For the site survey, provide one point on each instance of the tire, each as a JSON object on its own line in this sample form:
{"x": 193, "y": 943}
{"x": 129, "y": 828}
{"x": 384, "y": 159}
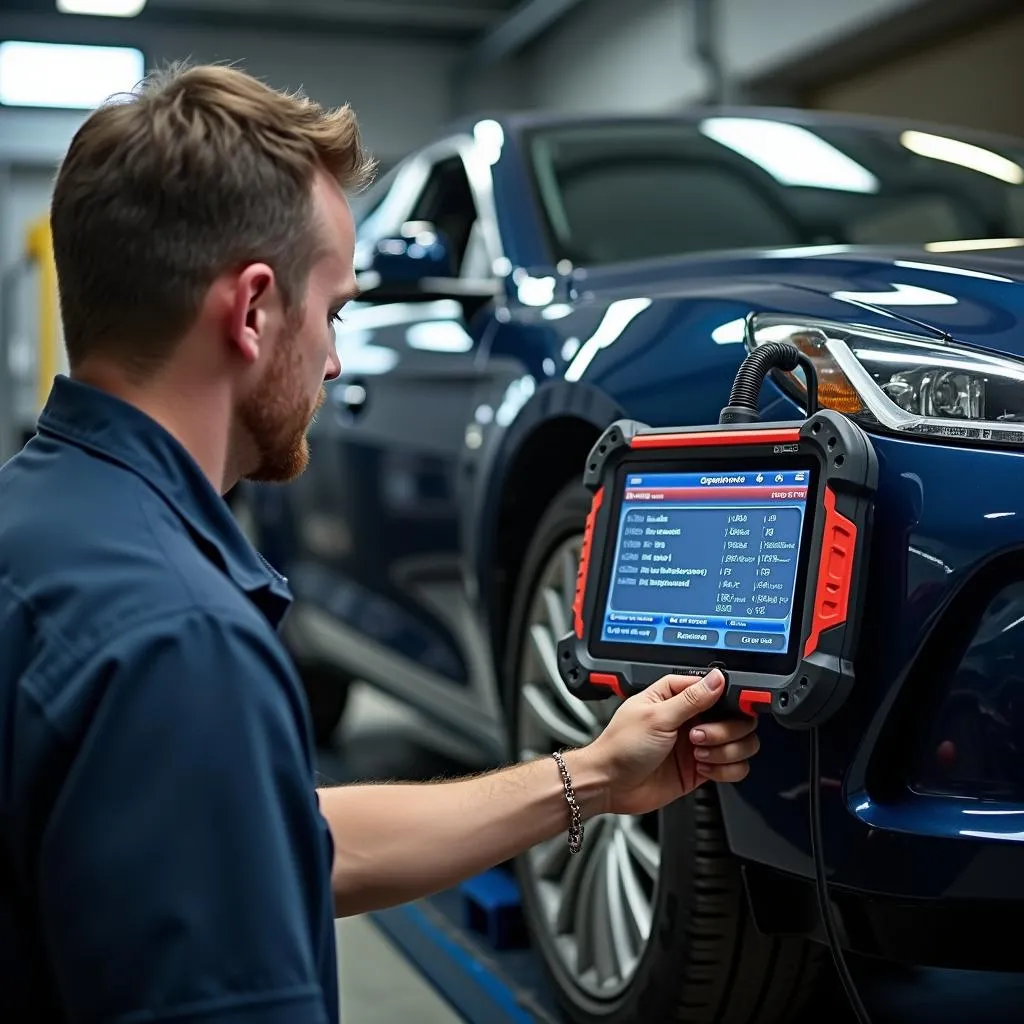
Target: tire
{"x": 702, "y": 960}
{"x": 327, "y": 693}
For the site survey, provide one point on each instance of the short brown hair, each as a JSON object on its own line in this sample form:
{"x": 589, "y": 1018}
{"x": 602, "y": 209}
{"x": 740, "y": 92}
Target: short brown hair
{"x": 201, "y": 169}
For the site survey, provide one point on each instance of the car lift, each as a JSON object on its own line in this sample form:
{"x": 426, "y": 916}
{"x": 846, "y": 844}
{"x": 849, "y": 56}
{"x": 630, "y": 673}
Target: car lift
{"x": 470, "y": 943}
{"x": 31, "y": 354}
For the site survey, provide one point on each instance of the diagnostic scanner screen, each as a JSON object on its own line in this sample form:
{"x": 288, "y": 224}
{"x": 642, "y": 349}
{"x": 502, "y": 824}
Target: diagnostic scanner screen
{"x": 707, "y": 560}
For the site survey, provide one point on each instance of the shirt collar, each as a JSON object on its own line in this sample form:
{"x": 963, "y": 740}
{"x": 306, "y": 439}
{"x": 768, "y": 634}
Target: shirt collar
{"x": 106, "y": 426}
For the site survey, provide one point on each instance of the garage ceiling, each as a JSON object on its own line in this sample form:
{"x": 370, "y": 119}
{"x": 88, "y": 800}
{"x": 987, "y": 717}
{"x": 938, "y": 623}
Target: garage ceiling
{"x": 459, "y": 17}
{"x": 461, "y": 21}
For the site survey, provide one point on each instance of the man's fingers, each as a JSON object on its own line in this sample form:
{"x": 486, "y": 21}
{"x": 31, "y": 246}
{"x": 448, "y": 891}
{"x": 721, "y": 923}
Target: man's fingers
{"x": 724, "y": 772}
{"x": 728, "y": 753}
{"x": 691, "y": 696}
{"x": 715, "y": 734}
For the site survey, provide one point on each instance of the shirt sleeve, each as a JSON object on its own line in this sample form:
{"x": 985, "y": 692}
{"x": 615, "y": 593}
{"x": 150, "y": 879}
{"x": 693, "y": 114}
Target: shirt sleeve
{"x": 183, "y": 869}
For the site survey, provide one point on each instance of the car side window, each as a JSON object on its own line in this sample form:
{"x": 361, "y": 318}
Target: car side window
{"x": 447, "y": 202}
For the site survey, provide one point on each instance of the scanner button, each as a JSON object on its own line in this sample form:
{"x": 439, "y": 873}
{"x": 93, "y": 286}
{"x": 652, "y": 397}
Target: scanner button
{"x": 607, "y": 681}
{"x": 743, "y": 641}
{"x": 675, "y": 635}
{"x": 749, "y": 699}
{"x": 624, "y": 632}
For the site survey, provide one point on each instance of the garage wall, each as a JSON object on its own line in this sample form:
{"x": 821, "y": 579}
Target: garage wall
{"x": 758, "y": 36}
{"x": 611, "y": 55}
{"x": 400, "y": 89}
{"x": 975, "y": 79}
{"x": 640, "y": 55}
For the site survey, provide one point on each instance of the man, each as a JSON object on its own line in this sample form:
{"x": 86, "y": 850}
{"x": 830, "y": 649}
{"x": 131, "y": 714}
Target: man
{"x": 166, "y": 855}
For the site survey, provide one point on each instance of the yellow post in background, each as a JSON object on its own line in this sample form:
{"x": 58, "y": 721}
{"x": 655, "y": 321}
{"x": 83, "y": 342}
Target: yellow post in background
{"x": 39, "y": 251}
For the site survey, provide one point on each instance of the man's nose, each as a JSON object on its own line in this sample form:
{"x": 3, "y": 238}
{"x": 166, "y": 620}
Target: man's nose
{"x": 333, "y": 367}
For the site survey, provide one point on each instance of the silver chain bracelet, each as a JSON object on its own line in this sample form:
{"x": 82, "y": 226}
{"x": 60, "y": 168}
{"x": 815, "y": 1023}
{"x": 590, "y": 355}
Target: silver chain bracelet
{"x": 575, "y": 814}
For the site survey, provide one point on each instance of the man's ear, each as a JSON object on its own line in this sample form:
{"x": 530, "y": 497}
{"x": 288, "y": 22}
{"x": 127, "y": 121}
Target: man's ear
{"x": 254, "y": 295}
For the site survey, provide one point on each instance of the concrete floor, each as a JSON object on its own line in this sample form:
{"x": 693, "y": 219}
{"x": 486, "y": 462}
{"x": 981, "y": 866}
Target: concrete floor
{"x": 377, "y": 985}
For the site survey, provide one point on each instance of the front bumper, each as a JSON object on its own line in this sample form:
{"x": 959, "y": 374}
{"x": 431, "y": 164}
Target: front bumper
{"x": 923, "y": 769}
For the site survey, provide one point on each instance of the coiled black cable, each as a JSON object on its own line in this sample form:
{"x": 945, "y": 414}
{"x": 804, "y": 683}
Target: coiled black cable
{"x": 746, "y": 387}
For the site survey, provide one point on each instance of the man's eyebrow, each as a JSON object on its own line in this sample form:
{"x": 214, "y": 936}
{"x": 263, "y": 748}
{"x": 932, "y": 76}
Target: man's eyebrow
{"x": 348, "y": 295}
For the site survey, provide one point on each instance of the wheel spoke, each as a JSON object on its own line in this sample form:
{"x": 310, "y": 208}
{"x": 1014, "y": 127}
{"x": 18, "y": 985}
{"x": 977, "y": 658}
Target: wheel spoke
{"x": 543, "y": 644}
{"x": 639, "y": 907}
{"x": 594, "y": 915}
{"x": 621, "y": 926}
{"x": 642, "y": 847}
{"x": 557, "y": 726}
{"x": 558, "y": 613}
{"x": 585, "y": 924}
{"x": 573, "y": 887}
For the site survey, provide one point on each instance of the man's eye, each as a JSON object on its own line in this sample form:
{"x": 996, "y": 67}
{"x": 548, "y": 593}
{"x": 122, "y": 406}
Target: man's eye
{"x": 335, "y": 318}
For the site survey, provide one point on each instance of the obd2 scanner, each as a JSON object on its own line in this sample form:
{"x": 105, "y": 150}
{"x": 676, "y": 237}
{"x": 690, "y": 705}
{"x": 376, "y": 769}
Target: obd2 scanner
{"x": 739, "y": 546}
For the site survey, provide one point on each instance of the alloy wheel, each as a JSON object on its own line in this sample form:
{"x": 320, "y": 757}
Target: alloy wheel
{"x": 596, "y": 907}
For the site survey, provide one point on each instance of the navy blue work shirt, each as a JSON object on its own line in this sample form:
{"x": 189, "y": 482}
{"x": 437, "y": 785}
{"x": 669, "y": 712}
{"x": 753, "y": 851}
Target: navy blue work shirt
{"x": 163, "y": 853}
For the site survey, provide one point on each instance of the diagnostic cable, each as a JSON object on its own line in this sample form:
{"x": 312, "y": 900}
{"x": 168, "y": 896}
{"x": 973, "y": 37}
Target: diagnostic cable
{"x": 740, "y": 546}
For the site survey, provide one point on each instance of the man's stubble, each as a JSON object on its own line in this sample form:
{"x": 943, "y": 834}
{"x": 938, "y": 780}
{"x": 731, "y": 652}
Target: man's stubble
{"x": 276, "y": 416}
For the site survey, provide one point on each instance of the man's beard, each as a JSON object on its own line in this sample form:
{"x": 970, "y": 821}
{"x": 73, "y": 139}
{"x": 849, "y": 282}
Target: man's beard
{"x": 277, "y": 422}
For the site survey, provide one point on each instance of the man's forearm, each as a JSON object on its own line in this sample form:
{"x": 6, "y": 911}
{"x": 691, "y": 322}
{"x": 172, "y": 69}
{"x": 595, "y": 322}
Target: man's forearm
{"x": 395, "y": 843}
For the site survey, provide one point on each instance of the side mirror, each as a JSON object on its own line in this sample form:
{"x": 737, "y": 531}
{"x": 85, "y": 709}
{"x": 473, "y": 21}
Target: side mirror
{"x": 419, "y": 253}
{"x": 416, "y": 265}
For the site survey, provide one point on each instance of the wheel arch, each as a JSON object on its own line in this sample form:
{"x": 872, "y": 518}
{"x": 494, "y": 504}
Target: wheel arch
{"x": 546, "y": 446}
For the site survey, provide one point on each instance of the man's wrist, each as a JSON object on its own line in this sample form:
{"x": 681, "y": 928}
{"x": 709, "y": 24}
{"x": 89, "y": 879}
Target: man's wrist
{"x": 591, "y": 780}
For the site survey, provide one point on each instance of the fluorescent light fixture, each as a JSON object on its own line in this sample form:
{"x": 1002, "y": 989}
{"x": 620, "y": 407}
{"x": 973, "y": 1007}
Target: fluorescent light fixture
{"x": 65, "y": 76}
{"x": 102, "y": 8}
{"x": 792, "y": 155}
{"x": 974, "y": 158}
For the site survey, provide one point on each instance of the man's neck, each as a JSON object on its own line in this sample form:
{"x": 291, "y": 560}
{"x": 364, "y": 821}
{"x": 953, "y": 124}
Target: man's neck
{"x": 197, "y": 416}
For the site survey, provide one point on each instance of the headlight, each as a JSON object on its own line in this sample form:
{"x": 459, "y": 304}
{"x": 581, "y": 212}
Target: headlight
{"x": 901, "y": 382}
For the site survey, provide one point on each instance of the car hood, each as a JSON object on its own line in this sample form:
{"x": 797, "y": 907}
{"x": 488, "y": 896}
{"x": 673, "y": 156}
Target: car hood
{"x": 976, "y": 297}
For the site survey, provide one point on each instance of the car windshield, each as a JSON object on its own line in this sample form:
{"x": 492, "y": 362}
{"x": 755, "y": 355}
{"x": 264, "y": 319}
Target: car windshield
{"x": 636, "y": 190}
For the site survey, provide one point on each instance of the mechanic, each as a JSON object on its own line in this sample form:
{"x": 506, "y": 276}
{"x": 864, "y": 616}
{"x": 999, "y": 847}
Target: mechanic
{"x": 166, "y": 853}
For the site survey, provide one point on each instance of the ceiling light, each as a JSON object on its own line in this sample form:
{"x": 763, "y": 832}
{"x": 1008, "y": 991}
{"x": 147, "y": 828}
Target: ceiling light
{"x": 66, "y": 76}
{"x": 102, "y": 8}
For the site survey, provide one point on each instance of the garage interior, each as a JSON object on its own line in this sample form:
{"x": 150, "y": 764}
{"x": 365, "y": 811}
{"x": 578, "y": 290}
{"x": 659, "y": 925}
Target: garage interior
{"x": 411, "y": 68}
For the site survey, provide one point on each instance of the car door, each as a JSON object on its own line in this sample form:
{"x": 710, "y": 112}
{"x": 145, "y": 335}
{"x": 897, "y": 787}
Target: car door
{"x": 380, "y": 506}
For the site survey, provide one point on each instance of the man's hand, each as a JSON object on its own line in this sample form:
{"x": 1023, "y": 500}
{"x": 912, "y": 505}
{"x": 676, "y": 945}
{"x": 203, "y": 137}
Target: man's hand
{"x": 656, "y": 750}
{"x": 396, "y": 843}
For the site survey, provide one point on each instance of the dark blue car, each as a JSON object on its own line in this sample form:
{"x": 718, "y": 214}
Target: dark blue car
{"x": 529, "y": 280}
